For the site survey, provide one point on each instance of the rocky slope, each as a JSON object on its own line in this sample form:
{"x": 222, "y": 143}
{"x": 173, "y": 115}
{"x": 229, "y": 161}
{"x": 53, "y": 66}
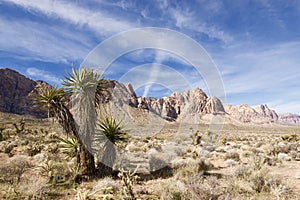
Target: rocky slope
{"x": 172, "y": 108}
{"x": 289, "y": 119}
{"x": 260, "y": 114}
{"x": 195, "y": 102}
{"x": 17, "y": 92}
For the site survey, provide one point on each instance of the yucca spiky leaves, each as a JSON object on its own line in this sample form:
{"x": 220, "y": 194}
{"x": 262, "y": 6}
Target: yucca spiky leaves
{"x": 69, "y": 147}
{"x": 51, "y": 98}
{"x": 113, "y": 130}
{"x": 81, "y": 80}
{"x": 54, "y": 100}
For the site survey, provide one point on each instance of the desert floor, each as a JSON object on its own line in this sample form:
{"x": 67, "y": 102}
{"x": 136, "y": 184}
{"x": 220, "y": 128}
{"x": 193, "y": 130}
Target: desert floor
{"x": 175, "y": 161}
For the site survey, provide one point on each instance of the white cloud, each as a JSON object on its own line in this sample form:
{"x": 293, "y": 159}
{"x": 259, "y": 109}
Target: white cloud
{"x": 29, "y": 40}
{"x": 43, "y": 75}
{"x": 274, "y": 67}
{"x": 185, "y": 19}
{"x": 282, "y": 107}
{"x": 263, "y": 74}
{"x": 99, "y": 21}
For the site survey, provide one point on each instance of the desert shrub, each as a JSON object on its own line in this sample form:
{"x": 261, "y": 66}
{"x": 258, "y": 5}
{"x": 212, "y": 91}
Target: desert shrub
{"x": 234, "y": 155}
{"x": 273, "y": 151}
{"x": 34, "y": 148}
{"x": 108, "y": 185}
{"x": 58, "y": 174}
{"x": 258, "y": 180}
{"x": 204, "y": 188}
{"x": 210, "y": 137}
{"x": 200, "y": 188}
{"x": 2, "y": 128}
{"x": 241, "y": 171}
{"x": 257, "y": 162}
{"x": 21, "y": 127}
{"x": 6, "y": 147}
{"x": 33, "y": 186}
{"x": 12, "y": 171}
{"x": 4, "y": 135}
{"x": 192, "y": 169}
{"x": 196, "y": 137}
{"x": 129, "y": 179}
{"x": 290, "y": 138}
{"x": 87, "y": 194}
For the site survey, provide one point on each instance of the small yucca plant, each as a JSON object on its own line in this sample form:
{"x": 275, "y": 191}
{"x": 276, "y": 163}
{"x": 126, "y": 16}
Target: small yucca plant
{"x": 69, "y": 147}
{"x": 52, "y": 99}
{"x": 113, "y": 130}
{"x": 111, "y": 133}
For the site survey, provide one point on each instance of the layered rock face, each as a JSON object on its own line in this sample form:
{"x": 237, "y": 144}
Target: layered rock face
{"x": 260, "y": 114}
{"x": 17, "y": 92}
{"x": 180, "y": 104}
{"x": 169, "y": 108}
{"x": 290, "y": 119}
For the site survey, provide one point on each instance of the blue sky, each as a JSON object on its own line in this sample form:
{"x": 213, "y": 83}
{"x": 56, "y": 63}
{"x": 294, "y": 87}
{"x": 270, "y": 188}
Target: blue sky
{"x": 254, "y": 44}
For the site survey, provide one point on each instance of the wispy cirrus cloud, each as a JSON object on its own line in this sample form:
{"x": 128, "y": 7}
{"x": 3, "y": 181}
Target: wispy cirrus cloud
{"x": 185, "y": 19}
{"x": 98, "y": 20}
{"x": 263, "y": 74}
{"x": 40, "y": 42}
{"x": 44, "y": 75}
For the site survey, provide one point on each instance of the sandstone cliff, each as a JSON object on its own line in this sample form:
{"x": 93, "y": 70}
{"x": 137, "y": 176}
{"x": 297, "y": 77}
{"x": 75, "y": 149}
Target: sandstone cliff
{"x": 17, "y": 92}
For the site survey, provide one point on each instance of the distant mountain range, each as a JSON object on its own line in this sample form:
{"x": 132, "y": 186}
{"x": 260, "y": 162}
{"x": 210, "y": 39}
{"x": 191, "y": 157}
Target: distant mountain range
{"x": 17, "y": 91}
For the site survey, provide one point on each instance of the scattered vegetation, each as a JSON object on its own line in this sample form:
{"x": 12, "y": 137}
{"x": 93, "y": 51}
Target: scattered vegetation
{"x": 129, "y": 179}
{"x": 38, "y": 161}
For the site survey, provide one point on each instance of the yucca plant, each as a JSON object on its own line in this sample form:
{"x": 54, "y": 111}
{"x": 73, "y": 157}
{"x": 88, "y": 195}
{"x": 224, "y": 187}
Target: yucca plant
{"x": 112, "y": 134}
{"x": 81, "y": 87}
{"x": 69, "y": 147}
{"x": 52, "y": 99}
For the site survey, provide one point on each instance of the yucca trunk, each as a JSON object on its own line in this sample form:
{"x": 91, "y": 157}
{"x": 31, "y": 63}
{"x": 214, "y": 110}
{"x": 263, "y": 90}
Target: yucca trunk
{"x": 86, "y": 161}
{"x": 108, "y": 159}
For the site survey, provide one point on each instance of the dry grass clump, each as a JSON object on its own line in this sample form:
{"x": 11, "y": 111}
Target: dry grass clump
{"x": 234, "y": 155}
{"x": 259, "y": 182}
{"x": 203, "y": 187}
{"x": 12, "y": 170}
{"x": 194, "y": 168}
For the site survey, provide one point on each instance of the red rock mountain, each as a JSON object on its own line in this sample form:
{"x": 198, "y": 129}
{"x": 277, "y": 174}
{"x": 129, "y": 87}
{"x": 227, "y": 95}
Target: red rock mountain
{"x": 16, "y": 93}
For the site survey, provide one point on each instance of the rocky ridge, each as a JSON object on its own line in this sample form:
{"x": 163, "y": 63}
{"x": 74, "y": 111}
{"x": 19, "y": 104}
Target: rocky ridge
{"x": 194, "y": 102}
{"x": 170, "y": 108}
{"x": 17, "y": 93}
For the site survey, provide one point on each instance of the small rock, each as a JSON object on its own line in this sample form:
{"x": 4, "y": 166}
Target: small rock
{"x": 230, "y": 162}
{"x": 284, "y": 156}
{"x": 209, "y": 148}
{"x": 39, "y": 158}
{"x": 220, "y": 149}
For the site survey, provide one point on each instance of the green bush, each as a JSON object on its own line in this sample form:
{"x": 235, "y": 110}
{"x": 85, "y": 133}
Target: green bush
{"x": 291, "y": 138}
